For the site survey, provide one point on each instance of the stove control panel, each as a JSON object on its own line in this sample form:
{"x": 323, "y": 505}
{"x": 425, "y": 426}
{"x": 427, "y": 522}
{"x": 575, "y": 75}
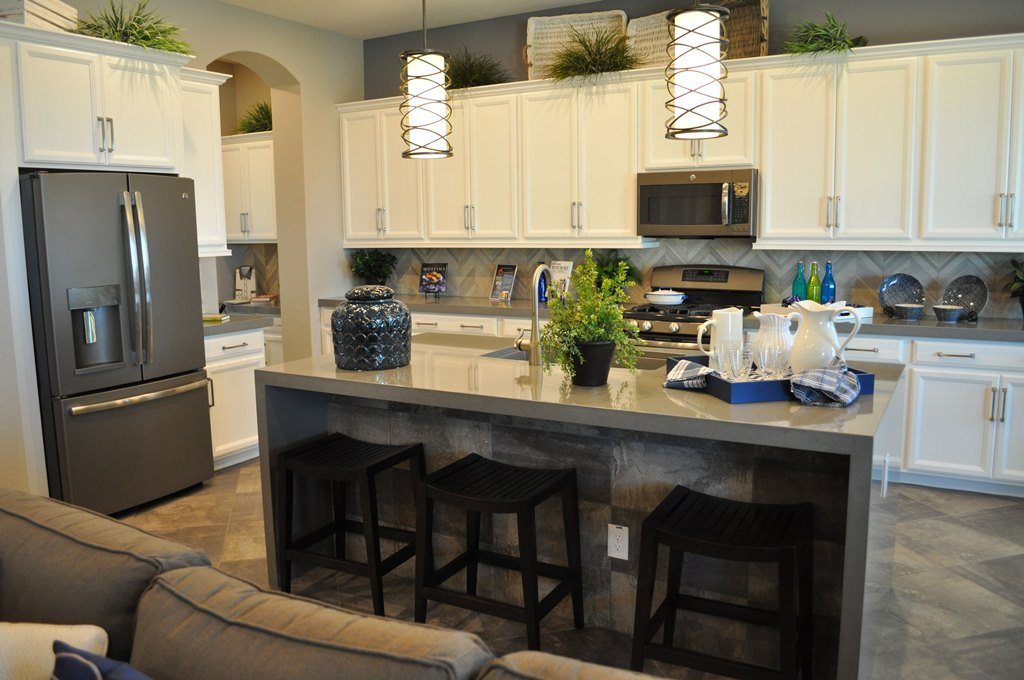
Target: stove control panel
{"x": 706, "y": 275}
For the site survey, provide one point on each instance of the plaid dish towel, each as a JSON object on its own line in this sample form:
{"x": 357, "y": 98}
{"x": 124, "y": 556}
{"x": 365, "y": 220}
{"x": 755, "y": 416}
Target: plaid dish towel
{"x": 835, "y": 386}
{"x": 688, "y": 375}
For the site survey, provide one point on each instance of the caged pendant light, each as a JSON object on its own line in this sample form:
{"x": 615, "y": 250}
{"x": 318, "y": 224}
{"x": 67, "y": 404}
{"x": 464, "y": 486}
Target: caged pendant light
{"x": 426, "y": 113}
{"x": 695, "y": 73}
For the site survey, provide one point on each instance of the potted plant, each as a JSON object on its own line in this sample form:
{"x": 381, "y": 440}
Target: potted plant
{"x": 608, "y": 264}
{"x": 373, "y": 266}
{"x": 1016, "y": 285}
{"x": 135, "y": 25}
{"x": 587, "y": 55}
{"x": 586, "y": 330}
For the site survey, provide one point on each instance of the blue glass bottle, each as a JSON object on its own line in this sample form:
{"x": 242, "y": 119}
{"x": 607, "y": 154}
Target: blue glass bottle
{"x": 542, "y": 289}
{"x": 828, "y": 285}
{"x": 799, "y": 282}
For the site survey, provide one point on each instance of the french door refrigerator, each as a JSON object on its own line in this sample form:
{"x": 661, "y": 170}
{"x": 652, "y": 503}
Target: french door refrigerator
{"x": 116, "y": 318}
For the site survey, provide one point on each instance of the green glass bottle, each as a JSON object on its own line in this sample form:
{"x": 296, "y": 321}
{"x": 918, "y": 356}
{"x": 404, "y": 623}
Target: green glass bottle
{"x": 814, "y": 284}
{"x": 799, "y": 282}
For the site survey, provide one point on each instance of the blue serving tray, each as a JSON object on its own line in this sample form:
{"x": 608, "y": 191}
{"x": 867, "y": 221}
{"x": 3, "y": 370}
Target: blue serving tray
{"x": 761, "y": 390}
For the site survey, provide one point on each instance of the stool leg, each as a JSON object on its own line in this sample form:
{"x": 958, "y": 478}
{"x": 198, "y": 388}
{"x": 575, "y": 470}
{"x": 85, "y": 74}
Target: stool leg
{"x": 787, "y": 614}
{"x": 472, "y": 549}
{"x": 338, "y": 493}
{"x": 527, "y": 526}
{"x": 806, "y": 576}
{"x": 675, "y": 574}
{"x": 368, "y": 499}
{"x": 424, "y": 549}
{"x": 571, "y": 520}
{"x": 644, "y": 596}
{"x": 284, "y": 528}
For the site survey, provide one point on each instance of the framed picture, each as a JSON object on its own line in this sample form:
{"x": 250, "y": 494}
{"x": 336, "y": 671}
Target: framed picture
{"x": 504, "y": 282}
{"x": 434, "y": 277}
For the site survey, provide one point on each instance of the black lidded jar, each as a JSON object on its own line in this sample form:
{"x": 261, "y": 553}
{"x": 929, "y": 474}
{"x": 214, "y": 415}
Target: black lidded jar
{"x": 372, "y": 331}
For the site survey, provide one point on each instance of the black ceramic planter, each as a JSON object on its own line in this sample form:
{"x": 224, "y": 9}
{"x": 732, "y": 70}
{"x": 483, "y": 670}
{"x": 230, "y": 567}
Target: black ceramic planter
{"x": 593, "y": 370}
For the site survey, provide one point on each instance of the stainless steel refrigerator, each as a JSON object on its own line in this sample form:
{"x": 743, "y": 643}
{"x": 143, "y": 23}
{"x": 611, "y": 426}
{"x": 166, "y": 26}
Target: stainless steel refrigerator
{"x": 116, "y": 317}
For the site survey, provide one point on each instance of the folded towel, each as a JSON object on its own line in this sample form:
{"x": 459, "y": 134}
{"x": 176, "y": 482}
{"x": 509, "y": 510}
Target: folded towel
{"x": 835, "y": 386}
{"x": 688, "y": 375}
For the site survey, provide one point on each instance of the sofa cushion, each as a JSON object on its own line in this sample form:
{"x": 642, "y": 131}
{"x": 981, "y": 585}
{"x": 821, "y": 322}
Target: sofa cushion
{"x": 62, "y": 564}
{"x": 202, "y": 623}
{"x": 26, "y": 649}
{"x": 541, "y": 666}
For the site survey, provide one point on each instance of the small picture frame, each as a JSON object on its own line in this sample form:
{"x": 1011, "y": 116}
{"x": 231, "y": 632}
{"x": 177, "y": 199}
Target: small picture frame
{"x": 433, "y": 278}
{"x": 504, "y": 281}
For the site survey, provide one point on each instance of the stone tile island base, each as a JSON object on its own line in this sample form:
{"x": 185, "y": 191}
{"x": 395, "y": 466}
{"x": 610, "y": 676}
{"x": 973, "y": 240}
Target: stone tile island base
{"x": 623, "y": 475}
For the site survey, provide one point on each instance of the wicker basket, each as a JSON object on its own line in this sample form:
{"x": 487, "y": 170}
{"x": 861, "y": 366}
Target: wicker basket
{"x": 649, "y": 37}
{"x": 545, "y": 36}
{"x": 746, "y": 27}
{"x": 50, "y": 14}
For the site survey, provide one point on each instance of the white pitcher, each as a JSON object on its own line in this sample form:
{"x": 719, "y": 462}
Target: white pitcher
{"x": 728, "y": 325}
{"x": 774, "y": 331}
{"x": 816, "y": 344}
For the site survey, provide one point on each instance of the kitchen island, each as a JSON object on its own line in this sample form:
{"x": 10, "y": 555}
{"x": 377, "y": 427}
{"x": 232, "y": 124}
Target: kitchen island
{"x": 631, "y": 442}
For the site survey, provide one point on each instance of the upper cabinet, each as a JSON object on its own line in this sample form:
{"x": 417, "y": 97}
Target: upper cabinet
{"x": 548, "y": 163}
{"x": 201, "y": 156}
{"x": 250, "y": 208}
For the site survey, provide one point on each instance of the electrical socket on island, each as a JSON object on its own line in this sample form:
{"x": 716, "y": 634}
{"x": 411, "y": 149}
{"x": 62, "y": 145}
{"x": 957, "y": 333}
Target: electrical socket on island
{"x": 618, "y": 541}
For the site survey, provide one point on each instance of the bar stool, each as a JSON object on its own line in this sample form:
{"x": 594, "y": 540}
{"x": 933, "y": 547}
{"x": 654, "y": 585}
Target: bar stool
{"x": 339, "y": 459}
{"x": 478, "y": 485}
{"x": 689, "y": 521}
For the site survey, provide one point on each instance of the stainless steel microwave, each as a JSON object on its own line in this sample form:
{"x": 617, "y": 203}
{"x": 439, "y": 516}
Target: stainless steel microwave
{"x": 697, "y": 203}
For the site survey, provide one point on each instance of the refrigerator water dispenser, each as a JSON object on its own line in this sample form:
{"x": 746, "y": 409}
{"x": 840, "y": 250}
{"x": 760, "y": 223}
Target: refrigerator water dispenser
{"x": 96, "y": 326}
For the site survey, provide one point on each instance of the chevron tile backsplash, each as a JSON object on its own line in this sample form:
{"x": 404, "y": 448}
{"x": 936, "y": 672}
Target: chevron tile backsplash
{"x": 857, "y": 273}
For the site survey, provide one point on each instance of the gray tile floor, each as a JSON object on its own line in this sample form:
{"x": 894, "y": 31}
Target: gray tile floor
{"x": 945, "y": 591}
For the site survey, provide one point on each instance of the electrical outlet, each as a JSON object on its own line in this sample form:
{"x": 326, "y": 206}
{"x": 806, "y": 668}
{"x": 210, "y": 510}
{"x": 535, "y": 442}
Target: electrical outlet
{"x": 618, "y": 541}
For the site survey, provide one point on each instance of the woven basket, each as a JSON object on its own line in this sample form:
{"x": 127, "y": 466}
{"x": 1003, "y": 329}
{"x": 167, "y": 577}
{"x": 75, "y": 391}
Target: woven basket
{"x": 649, "y": 37}
{"x": 746, "y": 27}
{"x": 545, "y": 36}
{"x": 53, "y": 15}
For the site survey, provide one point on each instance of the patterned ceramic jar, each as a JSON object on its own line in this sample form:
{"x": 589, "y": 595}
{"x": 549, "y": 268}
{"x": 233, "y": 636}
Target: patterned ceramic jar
{"x": 372, "y": 331}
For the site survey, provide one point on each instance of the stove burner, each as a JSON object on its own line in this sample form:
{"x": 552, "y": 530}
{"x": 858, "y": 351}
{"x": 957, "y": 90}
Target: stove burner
{"x": 675, "y": 311}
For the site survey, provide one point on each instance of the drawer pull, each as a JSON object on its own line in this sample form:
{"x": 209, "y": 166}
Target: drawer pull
{"x": 478, "y": 325}
{"x": 426, "y": 323}
{"x": 944, "y": 355}
{"x": 225, "y": 348}
{"x": 865, "y": 349}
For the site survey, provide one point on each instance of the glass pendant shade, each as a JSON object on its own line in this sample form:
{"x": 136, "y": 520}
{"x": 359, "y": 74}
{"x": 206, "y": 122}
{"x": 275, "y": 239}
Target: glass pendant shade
{"x": 426, "y": 113}
{"x": 695, "y": 73}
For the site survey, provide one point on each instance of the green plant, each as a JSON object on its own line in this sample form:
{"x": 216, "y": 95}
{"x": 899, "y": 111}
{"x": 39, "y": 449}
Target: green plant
{"x": 592, "y": 313}
{"x": 587, "y": 55}
{"x": 469, "y": 69}
{"x": 608, "y": 264}
{"x": 259, "y": 118}
{"x": 830, "y": 36}
{"x": 1016, "y": 285}
{"x": 137, "y": 25}
{"x": 373, "y": 266}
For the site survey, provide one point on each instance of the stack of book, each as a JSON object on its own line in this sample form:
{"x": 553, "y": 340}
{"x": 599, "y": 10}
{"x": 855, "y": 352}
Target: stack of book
{"x": 216, "y": 318}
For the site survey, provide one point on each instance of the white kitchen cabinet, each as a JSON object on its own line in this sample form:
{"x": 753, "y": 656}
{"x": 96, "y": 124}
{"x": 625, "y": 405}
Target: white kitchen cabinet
{"x": 467, "y": 324}
{"x": 448, "y": 184}
{"x": 326, "y": 334}
{"x": 201, "y": 157}
{"x": 360, "y": 187}
{"x": 273, "y": 344}
{"x": 548, "y": 163}
{"x": 231, "y": 362}
{"x": 142, "y": 101}
{"x": 1015, "y": 194}
{"x": 401, "y": 183}
{"x": 1010, "y": 438}
{"x": 250, "y": 206}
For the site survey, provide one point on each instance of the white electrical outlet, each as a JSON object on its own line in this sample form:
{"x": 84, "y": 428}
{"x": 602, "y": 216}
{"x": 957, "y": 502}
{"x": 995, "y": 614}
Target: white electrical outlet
{"x": 618, "y": 541}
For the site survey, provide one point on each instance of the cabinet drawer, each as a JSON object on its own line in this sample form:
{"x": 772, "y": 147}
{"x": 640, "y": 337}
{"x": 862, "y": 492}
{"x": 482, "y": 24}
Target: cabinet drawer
{"x": 508, "y": 327}
{"x": 873, "y": 348}
{"x": 455, "y": 323}
{"x": 1004, "y": 355}
{"x": 234, "y": 344}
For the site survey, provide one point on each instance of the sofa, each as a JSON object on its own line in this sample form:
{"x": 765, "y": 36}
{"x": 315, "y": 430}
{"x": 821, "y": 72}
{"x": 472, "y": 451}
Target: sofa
{"x": 173, "y": 616}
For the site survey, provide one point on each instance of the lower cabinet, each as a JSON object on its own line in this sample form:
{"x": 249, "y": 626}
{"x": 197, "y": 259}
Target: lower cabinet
{"x": 231, "y": 363}
{"x": 273, "y": 345}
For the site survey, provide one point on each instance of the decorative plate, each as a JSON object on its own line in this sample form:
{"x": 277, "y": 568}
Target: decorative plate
{"x": 899, "y": 289}
{"x": 968, "y": 292}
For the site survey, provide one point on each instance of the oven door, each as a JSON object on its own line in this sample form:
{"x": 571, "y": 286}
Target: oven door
{"x": 699, "y": 204}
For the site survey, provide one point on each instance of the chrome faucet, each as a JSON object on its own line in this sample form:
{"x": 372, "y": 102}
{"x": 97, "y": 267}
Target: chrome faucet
{"x": 532, "y": 346}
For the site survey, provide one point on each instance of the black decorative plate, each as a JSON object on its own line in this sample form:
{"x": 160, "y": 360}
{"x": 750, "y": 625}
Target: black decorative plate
{"x": 969, "y": 292}
{"x": 899, "y": 289}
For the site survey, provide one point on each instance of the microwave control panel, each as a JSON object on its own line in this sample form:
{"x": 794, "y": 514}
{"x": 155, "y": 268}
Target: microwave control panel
{"x": 741, "y": 203}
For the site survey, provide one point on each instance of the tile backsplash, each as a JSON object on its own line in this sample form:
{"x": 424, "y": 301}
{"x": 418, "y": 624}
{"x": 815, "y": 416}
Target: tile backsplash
{"x": 857, "y": 273}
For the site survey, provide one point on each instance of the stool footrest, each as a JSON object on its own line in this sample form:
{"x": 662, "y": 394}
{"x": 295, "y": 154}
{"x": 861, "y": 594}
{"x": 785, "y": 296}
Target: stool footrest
{"x": 710, "y": 664}
{"x": 327, "y": 562}
{"x": 476, "y": 603}
{"x": 703, "y": 605}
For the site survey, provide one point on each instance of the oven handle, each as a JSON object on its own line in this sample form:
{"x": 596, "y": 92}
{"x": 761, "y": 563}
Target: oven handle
{"x": 726, "y": 194}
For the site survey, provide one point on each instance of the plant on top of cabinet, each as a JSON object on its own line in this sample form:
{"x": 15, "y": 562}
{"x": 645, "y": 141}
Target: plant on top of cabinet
{"x": 136, "y": 25}
{"x": 608, "y": 264}
{"x": 586, "y": 330}
{"x": 373, "y": 266}
{"x": 471, "y": 69}
{"x": 830, "y": 36}
{"x": 588, "y": 55}
{"x": 1016, "y": 285}
{"x": 259, "y": 118}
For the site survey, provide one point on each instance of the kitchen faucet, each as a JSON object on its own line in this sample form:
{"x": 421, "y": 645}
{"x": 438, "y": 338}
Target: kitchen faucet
{"x": 532, "y": 346}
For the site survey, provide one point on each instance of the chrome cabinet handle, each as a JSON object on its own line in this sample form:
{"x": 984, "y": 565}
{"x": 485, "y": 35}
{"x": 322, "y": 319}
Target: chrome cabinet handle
{"x": 225, "y": 348}
{"x": 133, "y": 261}
{"x": 464, "y": 325}
{"x": 1009, "y": 212}
{"x": 944, "y": 355}
{"x": 992, "y": 411}
{"x": 472, "y": 217}
{"x": 146, "y": 275}
{"x": 579, "y": 216}
{"x": 384, "y": 220}
{"x": 701, "y": 148}
{"x": 572, "y": 214}
{"x": 859, "y": 349}
{"x": 465, "y": 217}
{"x": 835, "y": 213}
{"x": 376, "y": 217}
{"x": 110, "y": 122}
{"x": 693, "y": 149}
{"x": 132, "y": 401}
{"x": 426, "y": 323}
{"x": 828, "y": 212}
{"x": 1002, "y": 409}
{"x": 213, "y": 392}
{"x": 103, "y": 132}
{"x": 1002, "y": 212}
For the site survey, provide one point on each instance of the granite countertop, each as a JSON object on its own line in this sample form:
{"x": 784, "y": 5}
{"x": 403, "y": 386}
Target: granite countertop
{"x": 455, "y": 305}
{"x": 237, "y": 323}
{"x": 450, "y": 370}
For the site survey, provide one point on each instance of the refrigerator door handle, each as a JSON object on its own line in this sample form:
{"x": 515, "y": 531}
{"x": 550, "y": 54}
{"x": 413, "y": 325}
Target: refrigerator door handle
{"x": 133, "y": 260}
{"x": 144, "y": 251}
{"x": 139, "y": 399}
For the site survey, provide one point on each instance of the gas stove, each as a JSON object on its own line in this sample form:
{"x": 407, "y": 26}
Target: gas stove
{"x": 707, "y": 288}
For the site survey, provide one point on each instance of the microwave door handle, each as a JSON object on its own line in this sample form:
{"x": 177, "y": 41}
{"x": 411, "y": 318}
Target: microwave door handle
{"x": 726, "y": 193}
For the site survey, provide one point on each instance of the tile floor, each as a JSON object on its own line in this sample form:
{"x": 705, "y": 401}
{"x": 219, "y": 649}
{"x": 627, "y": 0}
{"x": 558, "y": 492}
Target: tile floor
{"x": 945, "y": 592}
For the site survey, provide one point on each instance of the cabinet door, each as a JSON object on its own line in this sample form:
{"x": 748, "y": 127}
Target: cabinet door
{"x": 401, "y": 183}
{"x": 143, "y": 101}
{"x": 966, "y": 145}
{"x": 1015, "y": 199}
{"x": 262, "y": 206}
{"x": 952, "y": 422}
{"x": 876, "y": 148}
{"x": 797, "y": 151}
{"x": 1010, "y": 442}
{"x": 233, "y": 415}
{"x": 62, "y": 104}
{"x": 360, "y": 175}
{"x": 737, "y": 147}
{"x": 447, "y": 184}
{"x": 548, "y": 162}
{"x": 201, "y": 160}
{"x": 607, "y": 161}
{"x": 234, "y": 190}
{"x": 658, "y": 152}
{"x": 494, "y": 159}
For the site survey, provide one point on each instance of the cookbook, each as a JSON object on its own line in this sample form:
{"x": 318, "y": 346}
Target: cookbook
{"x": 504, "y": 282}
{"x": 434, "y": 277}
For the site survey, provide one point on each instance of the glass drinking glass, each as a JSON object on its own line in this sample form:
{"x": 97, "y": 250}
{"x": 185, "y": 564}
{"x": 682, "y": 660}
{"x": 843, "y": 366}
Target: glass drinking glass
{"x": 736, "y": 361}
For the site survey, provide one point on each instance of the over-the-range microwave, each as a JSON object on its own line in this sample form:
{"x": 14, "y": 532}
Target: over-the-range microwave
{"x": 697, "y": 203}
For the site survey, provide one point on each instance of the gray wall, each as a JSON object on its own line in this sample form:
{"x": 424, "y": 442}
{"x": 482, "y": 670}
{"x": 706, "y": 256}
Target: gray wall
{"x": 882, "y": 21}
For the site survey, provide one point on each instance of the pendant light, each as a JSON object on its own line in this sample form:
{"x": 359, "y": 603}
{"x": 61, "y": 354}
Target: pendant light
{"x": 695, "y": 72}
{"x": 426, "y": 113}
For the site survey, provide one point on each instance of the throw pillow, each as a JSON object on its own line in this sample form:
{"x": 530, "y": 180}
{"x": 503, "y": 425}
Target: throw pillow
{"x": 78, "y": 664}
{"x": 26, "y": 649}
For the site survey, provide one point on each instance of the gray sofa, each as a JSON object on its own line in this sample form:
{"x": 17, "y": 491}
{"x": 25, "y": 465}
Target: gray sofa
{"x": 174, "y": 616}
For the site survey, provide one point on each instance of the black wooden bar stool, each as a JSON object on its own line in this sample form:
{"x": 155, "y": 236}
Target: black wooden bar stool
{"x": 688, "y": 521}
{"x": 339, "y": 459}
{"x": 477, "y": 485}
